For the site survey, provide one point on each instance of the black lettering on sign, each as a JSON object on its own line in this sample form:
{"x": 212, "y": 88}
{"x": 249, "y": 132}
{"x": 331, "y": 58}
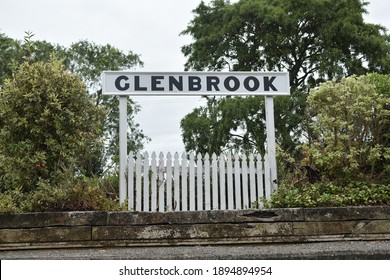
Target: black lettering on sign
{"x": 137, "y": 86}
{"x": 156, "y": 80}
{"x": 268, "y": 83}
{"x": 177, "y": 83}
{"x": 236, "y": 83}
{"x": 247, "y": 83}
{"x": 212, "y": 82}
{"x": 118, "y": 83}
{"x": 194, "y": 83}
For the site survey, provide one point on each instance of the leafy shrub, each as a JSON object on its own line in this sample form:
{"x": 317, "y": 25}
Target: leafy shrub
{"x": 330, "y": 195}
{"x": 80, "y": 194}
{"x": 352, "y": 121}
{"x": 48, "y": 124}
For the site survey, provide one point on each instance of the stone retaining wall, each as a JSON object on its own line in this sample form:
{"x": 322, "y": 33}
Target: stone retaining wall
{"x": 103, "y": 229}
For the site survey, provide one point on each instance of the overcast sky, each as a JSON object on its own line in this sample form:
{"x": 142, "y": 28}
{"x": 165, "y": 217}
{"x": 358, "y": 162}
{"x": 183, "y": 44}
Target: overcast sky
{"x": 149, "y": 28}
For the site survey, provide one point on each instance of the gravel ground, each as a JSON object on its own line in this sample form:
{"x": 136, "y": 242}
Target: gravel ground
{"x": 323, "y": 250}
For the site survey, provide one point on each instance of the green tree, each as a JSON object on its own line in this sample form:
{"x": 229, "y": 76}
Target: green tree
{"x": 9, "y": 50}
{"x": 351, "y": 119}
{"x": 49, "y": 125}
{"x": 88, "y": 60}
{"x": 14, "y": 52}
{"x": 313, "y": 40}
{"x": 231, "y": 124}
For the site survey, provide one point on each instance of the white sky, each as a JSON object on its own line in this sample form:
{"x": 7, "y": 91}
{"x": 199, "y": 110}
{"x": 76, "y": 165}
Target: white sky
{"x": 149, "y": 28}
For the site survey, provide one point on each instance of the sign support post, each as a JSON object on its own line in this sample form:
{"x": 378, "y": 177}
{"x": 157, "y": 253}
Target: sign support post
{"x": 271, "y": 146}
{"x": 122, "y": 147}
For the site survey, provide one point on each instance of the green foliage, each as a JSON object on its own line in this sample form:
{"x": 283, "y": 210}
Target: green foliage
{"x": 330, "y": 195}
{"x": 323, "y": 38}
{"x": 313, "y": 40}
{"x": 238, "y": 123}
{"x": 48, "y": 123}
{"x": 55, "y": 129}
{"x": 87, "y": 60}
{"x": 224, "y": 120}
{"x": 9, "y": 49}
{"x": 351, "y": 119}
{"x": 79, "y": 194}
{"x": 350, "y": 158}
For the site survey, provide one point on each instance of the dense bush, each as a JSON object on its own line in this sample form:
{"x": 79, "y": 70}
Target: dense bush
{"x": 49, "y": 125}
{"x": 351, "y": 119}
{"x": 80, "y": 194}
{"x": 348, "y": 162}
{"x": 330, "y": 195}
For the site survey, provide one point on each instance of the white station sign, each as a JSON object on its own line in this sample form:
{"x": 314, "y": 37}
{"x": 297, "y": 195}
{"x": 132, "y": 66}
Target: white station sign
{"x": 195, "y": 83}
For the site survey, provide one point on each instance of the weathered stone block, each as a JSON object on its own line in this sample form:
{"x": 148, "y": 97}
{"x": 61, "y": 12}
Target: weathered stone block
{"x": 193, "y": 227}
{"x": 48, "y": 234}
{"x": 48, "y": 219}
{"x": 341, "y": 227}
{"x": 191, "y": 231}
{"x": 347, "y": 213}
{"x": 209, "y": 217}
{"x": 322, "y": 228}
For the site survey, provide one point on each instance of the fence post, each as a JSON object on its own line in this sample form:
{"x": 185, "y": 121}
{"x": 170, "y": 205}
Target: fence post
{"x": 270, "y": 124}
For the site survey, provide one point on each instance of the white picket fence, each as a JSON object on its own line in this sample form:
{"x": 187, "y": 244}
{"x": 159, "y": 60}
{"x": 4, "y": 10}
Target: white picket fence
{"x": 189, "y": 183}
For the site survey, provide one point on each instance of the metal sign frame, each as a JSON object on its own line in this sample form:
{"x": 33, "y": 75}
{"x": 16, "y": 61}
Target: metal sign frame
{"x": 124, "y": 84}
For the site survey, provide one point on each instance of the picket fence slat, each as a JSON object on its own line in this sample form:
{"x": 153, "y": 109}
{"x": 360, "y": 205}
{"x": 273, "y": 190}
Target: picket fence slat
{"x": 214, "y": 181}
{"x": 245, "y": 182}
{"x": 192, "y": 182}
{"x": 252, "y": 176}
{"x": 260, "y": 184}
{"x": 196, "y": 183}
{"x": 207, "y": 182}
{"x": 130, "y": 181}
{"x": 222, "y": 184}
{"x": 199, "y": 183}
{"x": 146, "y": 183}
{"x": 138, "y": 183}
{"x": 161, "y": 184}
{"x": 184, "y": 183}
{"x": 230, "y": 190}
{"x": 237, "y": 181}
{"x": 153, "y": 192}
{"x": 169, "y": 183}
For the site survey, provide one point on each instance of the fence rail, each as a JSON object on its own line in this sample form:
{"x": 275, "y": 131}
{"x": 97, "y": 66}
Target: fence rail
{"x": 196, "y": 183}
